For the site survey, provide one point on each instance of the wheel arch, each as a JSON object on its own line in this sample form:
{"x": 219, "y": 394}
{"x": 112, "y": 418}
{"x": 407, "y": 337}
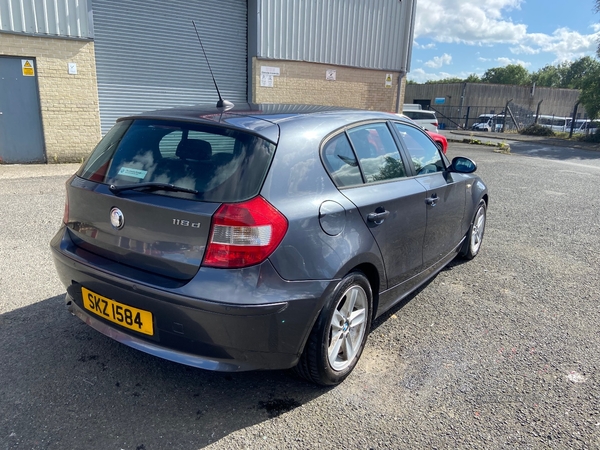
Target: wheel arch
{"x": 372, "y": 274}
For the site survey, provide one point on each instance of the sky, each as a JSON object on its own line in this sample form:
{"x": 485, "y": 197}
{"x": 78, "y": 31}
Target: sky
{"x": 456, "y": 38}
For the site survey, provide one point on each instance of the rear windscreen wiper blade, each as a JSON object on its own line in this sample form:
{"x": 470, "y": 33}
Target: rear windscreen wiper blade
{"x": 151, "y": 186}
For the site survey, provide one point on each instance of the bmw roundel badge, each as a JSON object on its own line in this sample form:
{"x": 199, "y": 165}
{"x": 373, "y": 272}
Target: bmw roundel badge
{"x": 117, "y": 219}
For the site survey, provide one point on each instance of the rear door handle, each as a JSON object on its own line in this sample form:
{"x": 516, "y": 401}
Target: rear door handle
{"x": 432, "y": 200}
{"x": 378, "y": 216}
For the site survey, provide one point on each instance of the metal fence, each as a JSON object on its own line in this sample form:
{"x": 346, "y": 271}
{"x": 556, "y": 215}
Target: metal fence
{"x": 509, "y": 117}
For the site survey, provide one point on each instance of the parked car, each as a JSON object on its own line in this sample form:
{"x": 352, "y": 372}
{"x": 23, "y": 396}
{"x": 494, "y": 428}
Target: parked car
{"x": 425, "y": 118}
{"x": 260, "y": 237}
{"x": 440, "y": 140}
{"x": 555, "y": 123}
{"x": 489, "y": 122}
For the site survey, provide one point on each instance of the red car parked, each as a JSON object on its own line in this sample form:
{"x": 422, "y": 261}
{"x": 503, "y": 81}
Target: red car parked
{"x": 439, "y": 139}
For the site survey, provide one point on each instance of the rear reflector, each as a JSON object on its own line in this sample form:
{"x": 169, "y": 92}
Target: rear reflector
{"x": 244, "y": 234}
{"x": 66, "y": 212}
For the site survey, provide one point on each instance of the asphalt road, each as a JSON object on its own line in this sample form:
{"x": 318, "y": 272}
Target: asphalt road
{"x": 498, "y": 352}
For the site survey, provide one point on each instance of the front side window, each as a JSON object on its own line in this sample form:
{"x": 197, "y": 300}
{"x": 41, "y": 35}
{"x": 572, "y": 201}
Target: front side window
{"x": 424, "y": 154}
{"x": 221, "y": 164}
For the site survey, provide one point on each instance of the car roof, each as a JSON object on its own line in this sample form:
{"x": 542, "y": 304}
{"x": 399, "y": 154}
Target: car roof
{"x": 266, "y": 119}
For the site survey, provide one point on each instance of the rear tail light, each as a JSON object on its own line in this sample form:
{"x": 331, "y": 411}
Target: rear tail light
{"x": 244, "y": 234}
{"x": 435, "y": 124}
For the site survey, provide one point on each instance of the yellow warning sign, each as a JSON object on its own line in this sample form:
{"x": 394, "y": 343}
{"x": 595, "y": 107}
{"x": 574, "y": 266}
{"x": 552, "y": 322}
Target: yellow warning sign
{"x": 388, "y": 80}
{"x": 27, "y": 66}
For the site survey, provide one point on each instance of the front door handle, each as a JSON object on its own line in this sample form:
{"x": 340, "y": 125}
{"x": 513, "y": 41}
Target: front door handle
{"x": 432, "y": 200}
{"x": 378, "y": 216}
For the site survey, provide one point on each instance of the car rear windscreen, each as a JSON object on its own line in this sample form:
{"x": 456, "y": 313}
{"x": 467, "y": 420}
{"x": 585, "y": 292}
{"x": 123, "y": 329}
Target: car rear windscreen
{"x": 221, "y": 164}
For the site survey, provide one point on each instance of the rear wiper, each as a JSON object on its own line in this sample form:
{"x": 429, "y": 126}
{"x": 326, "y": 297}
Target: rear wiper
{"x": 151, "y": 187}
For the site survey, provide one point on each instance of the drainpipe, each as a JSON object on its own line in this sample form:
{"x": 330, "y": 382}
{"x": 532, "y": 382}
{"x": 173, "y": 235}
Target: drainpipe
{"x": 401, "y": 75}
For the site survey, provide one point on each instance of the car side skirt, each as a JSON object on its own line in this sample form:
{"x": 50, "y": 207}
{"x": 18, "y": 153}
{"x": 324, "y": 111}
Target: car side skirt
{"x": 393, "y": 296}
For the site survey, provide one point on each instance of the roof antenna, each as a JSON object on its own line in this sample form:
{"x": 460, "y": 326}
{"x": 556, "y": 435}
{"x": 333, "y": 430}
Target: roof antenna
{"x": 221, "y": 103}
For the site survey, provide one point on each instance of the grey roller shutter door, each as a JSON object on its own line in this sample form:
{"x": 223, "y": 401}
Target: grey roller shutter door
{"x": 148, "y": 56}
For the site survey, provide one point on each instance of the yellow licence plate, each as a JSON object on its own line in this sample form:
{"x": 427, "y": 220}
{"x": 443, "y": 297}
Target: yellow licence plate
{"x": 126, "y": 316}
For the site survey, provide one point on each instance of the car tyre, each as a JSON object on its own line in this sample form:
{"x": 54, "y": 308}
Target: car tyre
{"x": 474, "y": 237}
{"x": 339, "y": 334}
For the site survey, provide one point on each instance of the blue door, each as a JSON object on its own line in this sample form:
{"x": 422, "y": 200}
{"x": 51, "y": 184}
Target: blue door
{"x": 21, "y": 137}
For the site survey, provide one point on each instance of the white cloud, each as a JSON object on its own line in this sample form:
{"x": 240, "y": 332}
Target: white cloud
{"x": 438, "y": 61}
{"x": 506, "y": 61}
{"x": 566, "y": 44}
{"x": 485, "y": 23}
{"x": 421, "y": 76}
{"x": 424, "y": 47}
{"x": 465, "y": 21}
{"x": 524, "y": 50}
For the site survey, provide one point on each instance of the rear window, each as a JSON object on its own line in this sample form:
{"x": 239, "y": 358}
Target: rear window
{"x": 223, "y": 165}
{"x": 420, "y": 115}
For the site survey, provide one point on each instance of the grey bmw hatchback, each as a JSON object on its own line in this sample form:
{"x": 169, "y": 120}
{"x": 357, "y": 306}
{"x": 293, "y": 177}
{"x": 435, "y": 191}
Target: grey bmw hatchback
{"x": 263, "y": 236}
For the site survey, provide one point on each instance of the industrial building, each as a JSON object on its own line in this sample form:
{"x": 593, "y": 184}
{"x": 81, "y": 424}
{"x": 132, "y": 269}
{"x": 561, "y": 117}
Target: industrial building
{"x": 69, "y": 68}
{"x": 460, "y": 104}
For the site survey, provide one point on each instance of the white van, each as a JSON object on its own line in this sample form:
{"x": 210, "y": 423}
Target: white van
{"x": 555, "y": 123}
{"x": 489, "y": 122}
{"x": 424, "y": 118}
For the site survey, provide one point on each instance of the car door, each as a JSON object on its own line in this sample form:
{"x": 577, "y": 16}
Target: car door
{"x": 446, "y": 193}
{"x": 367, "y": 166}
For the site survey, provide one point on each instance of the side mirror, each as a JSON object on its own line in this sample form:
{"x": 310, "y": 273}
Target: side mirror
{"x": 460, "y": 164}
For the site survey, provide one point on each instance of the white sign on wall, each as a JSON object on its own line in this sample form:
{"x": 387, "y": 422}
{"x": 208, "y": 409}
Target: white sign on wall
{"x": 266, "y": 75}
{"x": 266, "y": 80}
{"x": 331, "y": 75}
{"x": 388, "y": 80}
{"x": 267, "y": 70}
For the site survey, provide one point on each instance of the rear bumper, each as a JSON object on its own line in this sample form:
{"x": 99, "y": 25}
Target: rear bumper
{"x": 262, "y": 323}
{"x": 153, "y": 349}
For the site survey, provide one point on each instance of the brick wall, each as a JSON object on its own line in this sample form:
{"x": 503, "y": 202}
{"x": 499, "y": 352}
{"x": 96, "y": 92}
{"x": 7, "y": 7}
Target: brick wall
{"x": 69, "y": 103}
{"x": 306, "y": 83}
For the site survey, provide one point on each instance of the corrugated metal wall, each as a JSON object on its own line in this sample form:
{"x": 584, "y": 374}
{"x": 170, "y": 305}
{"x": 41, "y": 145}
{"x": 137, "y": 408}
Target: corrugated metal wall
{"x": 372, "y": 34}
{"x": 148, "y": 56}
{"x": 65, "y": 18}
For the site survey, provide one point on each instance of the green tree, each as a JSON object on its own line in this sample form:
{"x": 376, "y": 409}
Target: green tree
{"x": 445, "y": 80}
{"x": 590, "y": 92}
{"x": 590, "y": 84}
{"x": 598, "y": 10}
{"x": 511, "y": 74}
{"x": 473, "y": 78}
{"x": 579, "y": 70}
{"x": 548, "y": 76}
